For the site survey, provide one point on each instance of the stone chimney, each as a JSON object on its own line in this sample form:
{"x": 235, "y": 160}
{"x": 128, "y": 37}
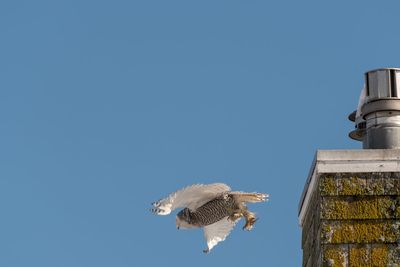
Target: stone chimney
{"x": 349, "y": 211}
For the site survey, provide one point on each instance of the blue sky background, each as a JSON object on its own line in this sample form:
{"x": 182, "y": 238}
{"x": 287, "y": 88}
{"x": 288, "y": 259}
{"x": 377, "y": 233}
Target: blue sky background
{"x": 106, "y": 106}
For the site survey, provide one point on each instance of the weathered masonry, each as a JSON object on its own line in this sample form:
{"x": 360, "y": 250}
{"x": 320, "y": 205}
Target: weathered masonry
{"x": 350, "y": 208}
{"x": 350, "y": 214}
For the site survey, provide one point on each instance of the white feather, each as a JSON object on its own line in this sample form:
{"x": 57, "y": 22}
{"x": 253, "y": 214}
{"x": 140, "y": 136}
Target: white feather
{"x": 217, "y": 232}
{"x": 191, "y": 197}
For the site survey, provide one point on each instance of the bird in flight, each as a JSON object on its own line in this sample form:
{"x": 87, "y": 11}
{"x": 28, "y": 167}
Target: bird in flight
{"x": 213, "y": 207}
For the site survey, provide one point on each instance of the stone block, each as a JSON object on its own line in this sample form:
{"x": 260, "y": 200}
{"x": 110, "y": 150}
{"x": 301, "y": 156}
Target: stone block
{"x": 361, "y": 207}
{"x": 350, "y": 232}
{"x": 397, "y": 211}
{"x": 359, "y": 256}
{"x": 375, "y": 255}
{"x": 352, "y": 186}
{"x": 359, "y": 184}
{"x": 335, "y": 256}
{"x": 383, "y": 186}
{"x": 328, "y": 186}
{"x": 379, "y": 255}
{"x": 394, "y": 255}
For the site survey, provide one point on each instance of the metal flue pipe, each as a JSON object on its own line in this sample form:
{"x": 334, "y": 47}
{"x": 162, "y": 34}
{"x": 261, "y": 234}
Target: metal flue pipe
{"x": 377, "y": 118}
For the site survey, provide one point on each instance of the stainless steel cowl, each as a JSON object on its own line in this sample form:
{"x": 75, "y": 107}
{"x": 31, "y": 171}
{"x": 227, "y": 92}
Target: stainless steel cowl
{"x": 377, "y": 118}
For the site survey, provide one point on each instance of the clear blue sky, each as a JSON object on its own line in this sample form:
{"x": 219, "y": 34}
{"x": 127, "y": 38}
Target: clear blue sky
{"x": 106, "y": 106}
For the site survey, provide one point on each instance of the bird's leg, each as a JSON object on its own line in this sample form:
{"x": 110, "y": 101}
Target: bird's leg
{"x": 206, "y": 251}
{"x": 250, "y": 220}
{"x": 235, "y": 214}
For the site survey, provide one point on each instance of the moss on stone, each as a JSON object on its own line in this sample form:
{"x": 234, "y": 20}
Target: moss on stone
{"x": 386, "y": 207}
{"x": 394, "y": 255}
{"x": 353, "y": 219}
{"x": 362, "y": 207}
{"x": 360, "y": 232}
{"x": 397, "y": 212}
{"x": 391, "y": 232}
{"x": 359, "y": 256}
{"x": 348, "y": 208}
{"x": 392, "y": 186}
{"x": 359, "y": 184}
{"x": 397, "y": 208}
{"x": 335, "y": 256}
{"x": 379, "y": 256}
{"x": 376, "y": 186}
{"x": 352, "y": 186}
{"x": 395, "y": 190}
{"x": 328, "y": 186}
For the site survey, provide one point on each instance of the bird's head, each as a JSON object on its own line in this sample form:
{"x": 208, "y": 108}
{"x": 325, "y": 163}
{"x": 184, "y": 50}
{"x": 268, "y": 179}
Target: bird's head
{"x": 183, "y": 219}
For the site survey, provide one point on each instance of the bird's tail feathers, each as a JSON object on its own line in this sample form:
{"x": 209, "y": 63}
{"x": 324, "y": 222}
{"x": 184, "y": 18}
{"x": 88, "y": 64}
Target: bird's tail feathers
{"x": 250, "y": 197}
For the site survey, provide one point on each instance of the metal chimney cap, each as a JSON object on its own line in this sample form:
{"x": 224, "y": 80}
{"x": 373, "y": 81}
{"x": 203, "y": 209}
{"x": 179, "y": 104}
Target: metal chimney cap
{"x": 382, "y": 69}
{"x": 352, "y": 116}
{"x": 383, "y": 104}
{"x": 377, "y": 118}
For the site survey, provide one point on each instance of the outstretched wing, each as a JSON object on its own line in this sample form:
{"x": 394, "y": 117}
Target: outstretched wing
{"x": 217, "y": 232}
{"x": 191, "y": 197}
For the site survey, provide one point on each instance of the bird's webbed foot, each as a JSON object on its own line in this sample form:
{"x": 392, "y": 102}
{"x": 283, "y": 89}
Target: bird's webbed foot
{"x": 206, "y": 251}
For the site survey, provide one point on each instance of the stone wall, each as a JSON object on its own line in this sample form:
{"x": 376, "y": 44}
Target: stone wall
{"x": 353, "y": 219}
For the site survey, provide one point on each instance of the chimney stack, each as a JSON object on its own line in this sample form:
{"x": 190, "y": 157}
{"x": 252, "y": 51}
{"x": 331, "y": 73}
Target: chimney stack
{"x": 349, "y": 211}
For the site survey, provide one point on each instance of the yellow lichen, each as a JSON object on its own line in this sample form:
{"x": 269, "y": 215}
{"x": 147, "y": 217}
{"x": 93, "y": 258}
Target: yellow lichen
{"x": 368, "y": 207}
{"x": 376, "y": 186}
{"x": 359, "y": 256}
{"x": 328, "y": 186}
{"x": 352, "y": 186}
{"x": 391, "y": 232}
{"x": 365, "y": 208}
{"x": 335, "y": 257}
{"x": 356, "y": 232}
{"x": 386, "y": 207}
{"x": 397, "y": 208}
{"x": 379, "y": 256}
